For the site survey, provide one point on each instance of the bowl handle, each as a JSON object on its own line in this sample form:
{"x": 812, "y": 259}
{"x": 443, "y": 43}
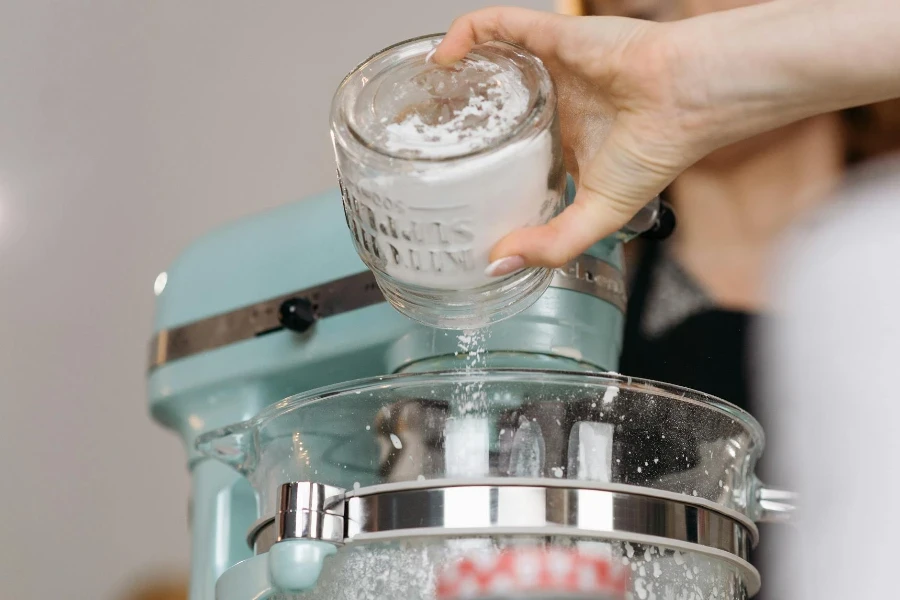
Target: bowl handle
{"x": 775, "y": 506}
{"x": 230, "y": 445}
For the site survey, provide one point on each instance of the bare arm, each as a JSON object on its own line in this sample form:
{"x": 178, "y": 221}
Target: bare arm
{"x": 640, "y": 102}
{"x": 778, "y": 62}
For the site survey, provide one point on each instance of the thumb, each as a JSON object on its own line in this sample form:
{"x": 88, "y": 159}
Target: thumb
{"x": 613, "y": 187}
{"x": 536, "y": 31}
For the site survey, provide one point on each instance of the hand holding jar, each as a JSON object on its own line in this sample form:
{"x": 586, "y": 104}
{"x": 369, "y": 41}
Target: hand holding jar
{"x": 640, "y": 102}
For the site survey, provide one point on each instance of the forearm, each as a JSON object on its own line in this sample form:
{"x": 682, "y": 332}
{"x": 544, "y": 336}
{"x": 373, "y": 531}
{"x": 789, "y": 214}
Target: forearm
{"x": 763, "y": 66}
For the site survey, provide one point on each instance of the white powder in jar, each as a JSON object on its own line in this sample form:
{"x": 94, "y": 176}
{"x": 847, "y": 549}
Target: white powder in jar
{"x": 477, "y": 104}
{"x": 437, "y": 165}
{"x": 436, "y": 227}
{"x": 432, "y": 223}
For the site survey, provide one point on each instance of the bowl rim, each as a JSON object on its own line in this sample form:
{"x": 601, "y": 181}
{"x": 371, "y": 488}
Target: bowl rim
{"x": 537, "y": 376}
{"x": 540, "y": 112}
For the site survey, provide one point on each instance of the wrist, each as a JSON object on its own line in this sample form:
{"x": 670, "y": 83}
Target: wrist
{"x": 697, "y": 90}
{"x": 749, "y": 70}
{"x": 730, "y": 81}
{"x": 707, "y": 102}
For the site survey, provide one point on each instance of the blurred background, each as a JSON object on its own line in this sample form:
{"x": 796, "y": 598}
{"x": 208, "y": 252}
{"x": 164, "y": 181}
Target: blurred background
{"x": 128, "y": 129}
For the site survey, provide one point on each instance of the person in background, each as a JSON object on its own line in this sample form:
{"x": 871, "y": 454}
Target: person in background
{"x": 693, "y": 297}
{"x": 632, "y": 99}
{"x": 831, "y": 352}
{"x": 641, "y": 102}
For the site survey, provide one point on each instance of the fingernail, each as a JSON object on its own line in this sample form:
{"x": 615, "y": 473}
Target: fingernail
{"x": 430, "y": 54}
{"x": 505, "y": 266}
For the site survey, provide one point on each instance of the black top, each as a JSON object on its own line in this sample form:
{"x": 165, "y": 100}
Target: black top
{"x": 706, "y": 351}
{"x": 699, "y": 346}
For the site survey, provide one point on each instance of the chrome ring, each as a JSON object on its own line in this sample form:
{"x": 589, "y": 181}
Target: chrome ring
{"x": 623, "y": 488}
{"x": 531, "y": 510}
{"x": 528, "y": 507}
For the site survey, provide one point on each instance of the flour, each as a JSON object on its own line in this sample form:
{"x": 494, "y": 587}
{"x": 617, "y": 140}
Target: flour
{"x": 470, "y": 108}
{"x": 469, "y": 397}
{"x": 467, "y": 433}
{"x": 435, "y": 228}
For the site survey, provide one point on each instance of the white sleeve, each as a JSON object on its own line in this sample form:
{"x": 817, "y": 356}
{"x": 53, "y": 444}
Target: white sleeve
{"x": 832, "y": 395}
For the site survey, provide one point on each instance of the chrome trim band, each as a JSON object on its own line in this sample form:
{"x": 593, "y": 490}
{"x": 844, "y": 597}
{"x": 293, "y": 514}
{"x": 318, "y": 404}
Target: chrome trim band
{"x": 590, "y": 275}
{"x": 585, "y": 274}
{"x": 627, "y": 513}
{"x": 622, "y": 488}
{"x": 531, "y": 510}
{"x": 329, "y": 299}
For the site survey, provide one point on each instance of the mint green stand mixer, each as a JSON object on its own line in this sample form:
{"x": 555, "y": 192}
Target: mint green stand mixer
{"x": 284, "y": 489}
{"x": 276, "y": 304}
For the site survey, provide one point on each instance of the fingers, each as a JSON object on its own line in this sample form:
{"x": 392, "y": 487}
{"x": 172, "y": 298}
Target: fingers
{"x": 534, "y": 30}
{"x": 568, "y": 235}
{"x": 612, "y": 189}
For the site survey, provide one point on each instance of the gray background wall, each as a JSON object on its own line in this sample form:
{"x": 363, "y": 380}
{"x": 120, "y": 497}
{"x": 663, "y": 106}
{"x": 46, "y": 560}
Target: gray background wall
{"x": 127, "y": 129}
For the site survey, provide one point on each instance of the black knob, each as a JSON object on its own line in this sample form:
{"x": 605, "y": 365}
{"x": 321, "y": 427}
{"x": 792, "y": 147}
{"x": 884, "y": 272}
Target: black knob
{"x": 664, "y": 225}
{"x": 296, "y": 314}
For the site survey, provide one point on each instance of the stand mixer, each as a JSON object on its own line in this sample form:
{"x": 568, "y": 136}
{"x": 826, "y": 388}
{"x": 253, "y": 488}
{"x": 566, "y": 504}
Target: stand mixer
{"x": 360, "y": 489}
{"x": 243, "y": 321}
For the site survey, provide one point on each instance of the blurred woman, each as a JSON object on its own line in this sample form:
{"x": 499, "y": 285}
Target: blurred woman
{"x": 694, "y": 298}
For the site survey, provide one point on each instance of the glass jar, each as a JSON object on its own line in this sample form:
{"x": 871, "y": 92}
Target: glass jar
{"x": 437, "y": 164}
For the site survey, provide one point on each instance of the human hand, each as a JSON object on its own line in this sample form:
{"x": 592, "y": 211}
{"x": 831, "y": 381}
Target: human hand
{"x": 639, "y": 102}
{"x": 625, "y": 127}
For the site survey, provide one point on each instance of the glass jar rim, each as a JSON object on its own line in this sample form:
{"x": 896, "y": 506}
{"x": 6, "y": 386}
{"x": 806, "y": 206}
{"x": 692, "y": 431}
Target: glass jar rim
{"x": 537, "y": 118}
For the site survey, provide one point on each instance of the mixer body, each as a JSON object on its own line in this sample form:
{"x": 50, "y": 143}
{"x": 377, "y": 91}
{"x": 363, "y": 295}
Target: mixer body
{"x": 280, "y": 303}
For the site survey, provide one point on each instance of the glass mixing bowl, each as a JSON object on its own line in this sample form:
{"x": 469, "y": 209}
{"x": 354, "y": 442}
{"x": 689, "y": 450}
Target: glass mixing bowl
{"x": 408, "y": 569}
{"x": 600, "y": 429}
{"x": 661, "y": 478}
